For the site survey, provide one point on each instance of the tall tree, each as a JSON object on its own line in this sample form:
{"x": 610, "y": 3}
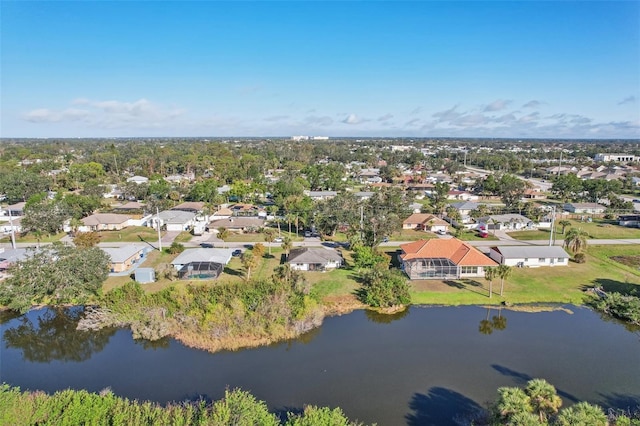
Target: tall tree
{"x": 55, "y": 274}
{"x": 564, "y": 223}
{"x": 249, "y": 262}
{"x": 287, "y": 244}
{"x": 503, "y": 272}
{"x": 489, "y": 275}
{"x": 576, "y": 240}
{"x": 543, "y": 398}
{"x": 269, "y": 236}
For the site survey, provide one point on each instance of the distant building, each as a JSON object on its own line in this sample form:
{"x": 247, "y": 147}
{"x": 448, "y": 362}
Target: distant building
{"x": 592, "y": 208}
{"x": 617, "y": 158}
{"x": 529, "y": 256}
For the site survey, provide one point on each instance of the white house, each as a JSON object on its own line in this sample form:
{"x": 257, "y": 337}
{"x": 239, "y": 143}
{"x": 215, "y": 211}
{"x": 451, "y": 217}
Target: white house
{"x": 138, "y": 179}
{"x": 174, "y": 220}
{"x": 592, "y": 208}
{"x": 529, "y": 256}
{"x": 314, "y": 259}
{"x": 509, "y": 222}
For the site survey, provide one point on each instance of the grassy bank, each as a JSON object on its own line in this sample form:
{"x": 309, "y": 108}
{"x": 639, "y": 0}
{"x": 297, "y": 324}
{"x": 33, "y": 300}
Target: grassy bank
{"x": 598, "y": 229}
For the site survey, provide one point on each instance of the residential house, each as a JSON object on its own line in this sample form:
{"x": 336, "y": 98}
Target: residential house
{"x": 425, "y": 222}
{"x": 314, "y": 259}
{"x": 629, "y": 220}
{"x": 126, "y": 257}
{"x": 439, "y": 259}
{"x": 173, "y": 220}
{"x": 10, "y": 256}
{"x": 619, "y": 158}
{"x": 238, "y": 223}
{"x": 363, "y": 195}
{"x": 190, "y": 206}
{"x": 508, "y": 222}
{"x": 529, "y": 256}
{"x": 104, "y": 222}
{"x": 534, "y": 194}
{"x": 138, "y": 179}
{"x": 202, "y": 263}
{"x": 465, "y": 207}
{"x": 130, "y": 207}
{"x": 462, "y": 195}
{"x": 6, "y": 226}
{"x": 591, "y": 208}
{"x": 16, "y": 209}
{"x": 321, "y": 195}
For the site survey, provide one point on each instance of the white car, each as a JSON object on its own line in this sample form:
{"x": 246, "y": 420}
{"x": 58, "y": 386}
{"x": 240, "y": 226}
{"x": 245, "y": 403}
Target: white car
{"x": 278, "y": 240}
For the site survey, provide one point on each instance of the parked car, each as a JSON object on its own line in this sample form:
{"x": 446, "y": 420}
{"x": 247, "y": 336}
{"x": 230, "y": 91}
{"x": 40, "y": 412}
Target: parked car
{"x": 385, "y": 239}
{"x": 442, "y": 232}
{"x": 483, "y": 235}
{"x": 236, "y": 253}
{"x": 206, "y": 245}
{"x": 307, "y": 234}
{"x": 278, "y": 240}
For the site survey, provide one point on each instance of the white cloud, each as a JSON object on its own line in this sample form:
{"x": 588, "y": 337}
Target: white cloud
{"x": 497, "y": 105}
{"x": 314, "y": 120}
{"x": 416, "y": 111}
{"x": 447, "y": 115}
{"x": 109, "y": 114}
{"x": 385, "y": 117}
{"x": 532, "y": 104}
{"x": 276, "y": 118}
{"x": 352, "y": 119}
{"x": 628, "y": 100}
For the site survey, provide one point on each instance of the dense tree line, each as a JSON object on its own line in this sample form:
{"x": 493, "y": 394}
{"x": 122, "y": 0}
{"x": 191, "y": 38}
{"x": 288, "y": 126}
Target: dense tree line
{"x": 79, "y": 407}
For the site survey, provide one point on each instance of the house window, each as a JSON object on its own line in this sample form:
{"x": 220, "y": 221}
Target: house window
{"x": 542, "y": 259}
{"x": 526, "y": 259}
{"x": 560, "y": 260}
{"x": 469, "y": 270}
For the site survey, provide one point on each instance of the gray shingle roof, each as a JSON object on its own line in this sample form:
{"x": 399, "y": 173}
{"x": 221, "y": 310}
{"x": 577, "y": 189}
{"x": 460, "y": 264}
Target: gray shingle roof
{"x": 218, "y": 255}
{"x": 313, "y": 255}
{"x": 518, "y": 252}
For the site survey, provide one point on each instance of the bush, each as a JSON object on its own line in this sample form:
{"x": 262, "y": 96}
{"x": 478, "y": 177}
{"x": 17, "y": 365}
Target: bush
{"x": 175, "y": 248}
{"x": 580, "y": 258}
{"x": 384, "y": 288}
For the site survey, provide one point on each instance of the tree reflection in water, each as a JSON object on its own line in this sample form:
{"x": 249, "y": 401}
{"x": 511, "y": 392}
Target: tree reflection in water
{"x": 379, "y": 318}
{"x": 52, "y": 336}
{"x": 496, "y": 323}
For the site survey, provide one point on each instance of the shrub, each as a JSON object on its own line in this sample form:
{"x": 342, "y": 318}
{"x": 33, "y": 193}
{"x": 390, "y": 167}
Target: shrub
{"x": 580, "y": 258}
{"x": 383, "y": 288}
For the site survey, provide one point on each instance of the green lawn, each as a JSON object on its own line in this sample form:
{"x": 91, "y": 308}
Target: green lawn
{"x": 183, "y": 237}
{"x": 474, "y": 236}
{"x": 598, "y": 229}
{"x": 131, "y": 234}
{"x": 236, "y": 237}
{"x": 411, "y": 235}
{"x": 30, "y": 238}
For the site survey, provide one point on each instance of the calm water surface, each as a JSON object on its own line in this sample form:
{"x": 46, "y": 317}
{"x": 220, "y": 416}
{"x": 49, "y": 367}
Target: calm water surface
{"x": 418, "y": 368}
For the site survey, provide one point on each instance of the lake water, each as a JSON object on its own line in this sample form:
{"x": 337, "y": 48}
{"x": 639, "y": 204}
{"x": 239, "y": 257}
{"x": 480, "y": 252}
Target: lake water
{"x": 420, "y": 367}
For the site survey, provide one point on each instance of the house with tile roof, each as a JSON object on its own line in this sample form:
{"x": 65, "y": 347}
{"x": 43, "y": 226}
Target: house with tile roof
{"x": 425, "y": 222}
{"x": 441, "y": 259}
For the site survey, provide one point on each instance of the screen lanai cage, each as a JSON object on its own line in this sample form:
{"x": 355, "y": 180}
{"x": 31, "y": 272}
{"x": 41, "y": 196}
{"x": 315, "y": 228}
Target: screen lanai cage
{"x": 200, "y": 270}
{"x": 432, "y": 268}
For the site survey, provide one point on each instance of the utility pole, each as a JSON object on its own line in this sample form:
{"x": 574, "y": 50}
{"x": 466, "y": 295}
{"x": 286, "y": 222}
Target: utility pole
{"x": 560, "y": 165}
{"x": 553, "y": 221}
{"x": 362, "y": 223}
{"x": 13, "y": 233}
{"x": 158, "y": 223}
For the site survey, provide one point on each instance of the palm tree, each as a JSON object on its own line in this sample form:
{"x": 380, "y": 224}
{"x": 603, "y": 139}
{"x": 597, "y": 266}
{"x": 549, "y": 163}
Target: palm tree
{"x": 223, "y": 233}
{"x": 544, "y": 399}
{"x": 511, "y": 401}
{"x": 269, "y": 236}
{"x": 582, "y": 413}
{"x": 249, "y": 262}
{"x": 564, "y": 223}
{"x": 75, "y": 224}
{"x": 490, "y": 273}
{"x": 576, "y": 240}
{"x": 286, "y": 245}
{"x": 503, "y": 272}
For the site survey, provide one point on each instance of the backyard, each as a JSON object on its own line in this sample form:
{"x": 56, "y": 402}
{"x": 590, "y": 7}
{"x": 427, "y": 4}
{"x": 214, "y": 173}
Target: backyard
{"x": 598, "y": 229}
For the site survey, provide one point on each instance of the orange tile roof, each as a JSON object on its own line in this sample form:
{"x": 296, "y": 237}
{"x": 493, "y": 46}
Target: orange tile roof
{"x": 459, "y": 252}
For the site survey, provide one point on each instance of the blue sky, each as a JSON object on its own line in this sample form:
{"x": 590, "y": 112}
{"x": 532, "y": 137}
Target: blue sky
{"x": 560, "y": 69}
